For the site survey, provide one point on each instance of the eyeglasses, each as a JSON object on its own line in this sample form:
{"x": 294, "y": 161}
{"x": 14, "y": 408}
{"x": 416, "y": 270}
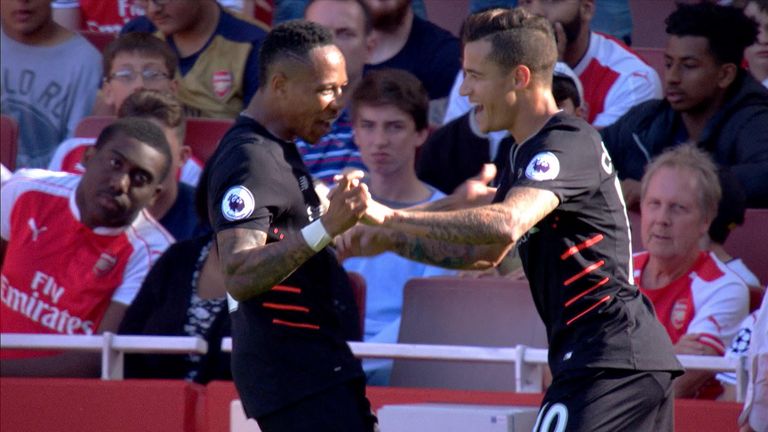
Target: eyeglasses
{"x": 129, "y": 75}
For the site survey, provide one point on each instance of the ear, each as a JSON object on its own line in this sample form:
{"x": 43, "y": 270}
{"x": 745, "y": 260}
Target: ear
{"x": 88, "y": 155}
{"x": 587, "y": 10}
{"x": 173, "y": 86}
{"x": 106, "y": 94}
{"x": 158, "y": 189}
{"x": 727, "y": 75}
{"x": 278, "y": 82}
{"x": 422, "y": 136}
{"x": 370, "y": 45}
{"x": 185, "y": 154}
{"x": 522, "y": 77}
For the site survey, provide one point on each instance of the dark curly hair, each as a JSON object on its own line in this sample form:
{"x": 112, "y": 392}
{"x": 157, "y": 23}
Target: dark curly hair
{"x": 291, "y": 39}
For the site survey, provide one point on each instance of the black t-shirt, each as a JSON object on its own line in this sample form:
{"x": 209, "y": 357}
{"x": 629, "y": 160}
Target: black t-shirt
{"x": 289, "y": 342}
{"x": 577, "y": 258}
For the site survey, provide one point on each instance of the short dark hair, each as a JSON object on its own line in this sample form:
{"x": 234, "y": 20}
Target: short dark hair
{"x": 291, "y": 39}
{"x": 564, "y": 88}
{"x": 141, "y": 130}
{"x": 152, "y": 104}
{"x": 145, "y": 44}
{"x": 367, "y": 18}
{"x": 517, "y": 38}
{"x": 726, "y": 28}
{"x": 394, "y": 87}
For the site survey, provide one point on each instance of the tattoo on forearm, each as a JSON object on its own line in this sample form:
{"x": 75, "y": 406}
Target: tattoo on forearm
{"x": 448, "y": 255}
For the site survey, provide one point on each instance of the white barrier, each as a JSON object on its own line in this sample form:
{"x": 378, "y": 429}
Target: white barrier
{"x": 112, "y": 346}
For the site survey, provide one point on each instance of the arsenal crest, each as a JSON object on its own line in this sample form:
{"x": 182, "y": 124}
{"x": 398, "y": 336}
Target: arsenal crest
{"x": 104, "y": 264}
{"x": 222, "y": 83}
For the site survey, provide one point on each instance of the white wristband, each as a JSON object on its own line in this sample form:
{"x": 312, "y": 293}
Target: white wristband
{"x": 316, "y": 236}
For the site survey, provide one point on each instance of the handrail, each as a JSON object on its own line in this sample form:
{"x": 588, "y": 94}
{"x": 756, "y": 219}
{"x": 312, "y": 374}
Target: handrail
{"x": 112, "y": 346}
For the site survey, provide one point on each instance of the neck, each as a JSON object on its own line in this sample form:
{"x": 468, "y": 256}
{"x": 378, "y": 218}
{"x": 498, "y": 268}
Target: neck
{"x": 576, "y": 50}
{"x": 194, "y": 38}
{"x": 537, "y": 106}
{"x": 388, "y": 44}
{"x": 49, "y": 34}
{"x": 695, "y": 121}
{"x": 263, "y": 111}
{"x": 401, "y": 187}
{"x": 659, "y": 272}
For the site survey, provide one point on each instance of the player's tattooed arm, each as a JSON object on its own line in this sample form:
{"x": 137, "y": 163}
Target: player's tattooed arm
{"x": 500, "y": 223}
{"x": 252, "y": 267}
{"x": 449, "y": 255}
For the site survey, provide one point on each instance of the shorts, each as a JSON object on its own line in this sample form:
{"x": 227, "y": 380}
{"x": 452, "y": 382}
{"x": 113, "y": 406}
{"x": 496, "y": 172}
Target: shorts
{"x": 342, "y": 408}
{"x": 608, "y": 400}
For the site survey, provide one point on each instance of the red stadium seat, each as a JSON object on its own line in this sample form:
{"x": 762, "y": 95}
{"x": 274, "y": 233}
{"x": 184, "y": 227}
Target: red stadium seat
{"x": 204, "y": 134}
{"x": 9, "y": 141}
{"x": 654, "y": 57}
{"x": 91, "y": 126}
{"x": 491, "y": 312}
{"x": 98, "y": 39}
{"x": 750, "y": 242}
{"x": 359, "y": 287}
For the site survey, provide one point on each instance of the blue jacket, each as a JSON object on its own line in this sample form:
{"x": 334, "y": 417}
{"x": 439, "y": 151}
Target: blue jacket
{"x": 736, "y": 137}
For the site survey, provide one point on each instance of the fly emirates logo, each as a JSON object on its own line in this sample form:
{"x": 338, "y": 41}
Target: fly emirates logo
{"x": 40, "y": 305}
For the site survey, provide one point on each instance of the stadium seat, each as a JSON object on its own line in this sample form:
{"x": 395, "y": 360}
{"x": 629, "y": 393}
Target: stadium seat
{"x": 490, "y": 312}
{"x": 204, "y": 134}
{"x": 654, "y": 57}
{"x": 750, "y": 242}
{"x": 359, "y": 287}
{"x": 99, "y": 40}
{"x": 9, "y": 141}
{"x": 91, "y": 126}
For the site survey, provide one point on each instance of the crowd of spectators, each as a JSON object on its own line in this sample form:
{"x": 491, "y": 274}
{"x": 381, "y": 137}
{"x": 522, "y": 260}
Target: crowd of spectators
{"x": 689, "y": 143}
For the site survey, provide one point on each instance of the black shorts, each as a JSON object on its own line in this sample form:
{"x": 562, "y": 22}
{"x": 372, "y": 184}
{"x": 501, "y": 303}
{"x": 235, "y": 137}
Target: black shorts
{"x": 342, "y": 408}
{"x": 608, "y": 400}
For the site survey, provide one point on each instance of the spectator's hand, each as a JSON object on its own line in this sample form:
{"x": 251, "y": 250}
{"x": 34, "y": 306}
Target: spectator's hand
{"x": 475, "y": 191}
{"x": 689, "y": 344}
{"x": 631, "y": 190}
{"x": 347, "y": 203}
{"x": 362, "y": 240}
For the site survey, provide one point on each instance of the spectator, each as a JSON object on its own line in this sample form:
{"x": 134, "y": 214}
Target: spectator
{"x": 218, "y": 53}
{"x": 126, "y": 58}
{"x": 77, "y": 248}
{"x": 350, "y": 23}
{"x": 104, "y": 16}
{"x": 458, "y": 150}
{"x": 754, "y": 416}
{"x": 697, "y": 298}
{"x": 757, "y": 53}
{"x": 49, "y": 77}
{"x": 183, "y": 295}
{"x": 709, "y": 100}
{"x": 614, "y": 78}
{"x": 292, "y": 9}
{"x": 389, "y": 111}
{"x": 405, "y": 41}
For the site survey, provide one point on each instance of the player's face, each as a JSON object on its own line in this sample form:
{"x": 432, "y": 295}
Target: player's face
{"x": 313, "y": 94}
{"x": 126, "y": 77}
{"x": 387, "y": 138}
{"x": 757, "y": 53}
{"x": 346, "y": 20}
{"x": 569, "y": 13}
{"x": 692, "y": 78}
{"x": 22, "y": 18}
{"x": 672, "y": 221}
{"x": 173, "y": 16}
{"x": 488, "y": 87}
{"x": 121, "y": 178}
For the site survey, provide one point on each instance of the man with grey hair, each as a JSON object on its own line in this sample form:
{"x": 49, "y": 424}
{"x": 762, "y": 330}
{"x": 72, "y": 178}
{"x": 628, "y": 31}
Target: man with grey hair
{"x": 697, "y": 298}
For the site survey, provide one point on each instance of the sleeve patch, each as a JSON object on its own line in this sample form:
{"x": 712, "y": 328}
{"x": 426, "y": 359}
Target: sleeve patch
{"x": 543, "y": 166}
{"x": 237, "y": 203}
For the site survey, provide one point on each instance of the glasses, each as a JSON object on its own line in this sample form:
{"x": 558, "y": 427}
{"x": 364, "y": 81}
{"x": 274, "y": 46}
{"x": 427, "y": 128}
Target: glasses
{"x": 129, "y": 75}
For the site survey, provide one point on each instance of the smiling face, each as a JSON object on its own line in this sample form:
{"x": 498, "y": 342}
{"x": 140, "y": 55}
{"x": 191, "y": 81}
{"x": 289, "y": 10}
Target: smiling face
{"x": 122, "y": 177}
{"x": 387, "y": 138}
{"x": 693, "y": 80}
{"x": 310, "y": 93}
{"x": 488, "y": 87}
{"x": 673, "y": 220}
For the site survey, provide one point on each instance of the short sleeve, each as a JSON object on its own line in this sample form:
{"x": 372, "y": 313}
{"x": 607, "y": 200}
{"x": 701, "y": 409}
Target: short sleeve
{"x": 244, "y": 189}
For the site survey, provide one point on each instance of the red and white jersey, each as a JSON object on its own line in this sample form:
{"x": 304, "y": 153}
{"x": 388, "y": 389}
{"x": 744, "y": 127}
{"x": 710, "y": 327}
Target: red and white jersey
{"x": 104, "y": 16}
{"x": 59, "y": 276}
{"x": 70, "y": 152}
{"x": 709, "y": 299}
{"x": 615, "y": 79}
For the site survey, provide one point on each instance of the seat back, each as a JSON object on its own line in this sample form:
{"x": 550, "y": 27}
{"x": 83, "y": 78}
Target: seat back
{"x": 91, "y": 126}
{"x": 492, "y": 312}
{"x": 203, "y": 135}
{"x": 9, "y": 141}
{"x": 654, "y": 57}
{"x": 750, "y": 242}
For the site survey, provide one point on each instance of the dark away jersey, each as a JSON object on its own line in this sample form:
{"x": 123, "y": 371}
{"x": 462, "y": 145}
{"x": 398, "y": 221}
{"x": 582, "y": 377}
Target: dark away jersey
{"x": 289, "y": 342}
{"x": 577, "y": 258}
